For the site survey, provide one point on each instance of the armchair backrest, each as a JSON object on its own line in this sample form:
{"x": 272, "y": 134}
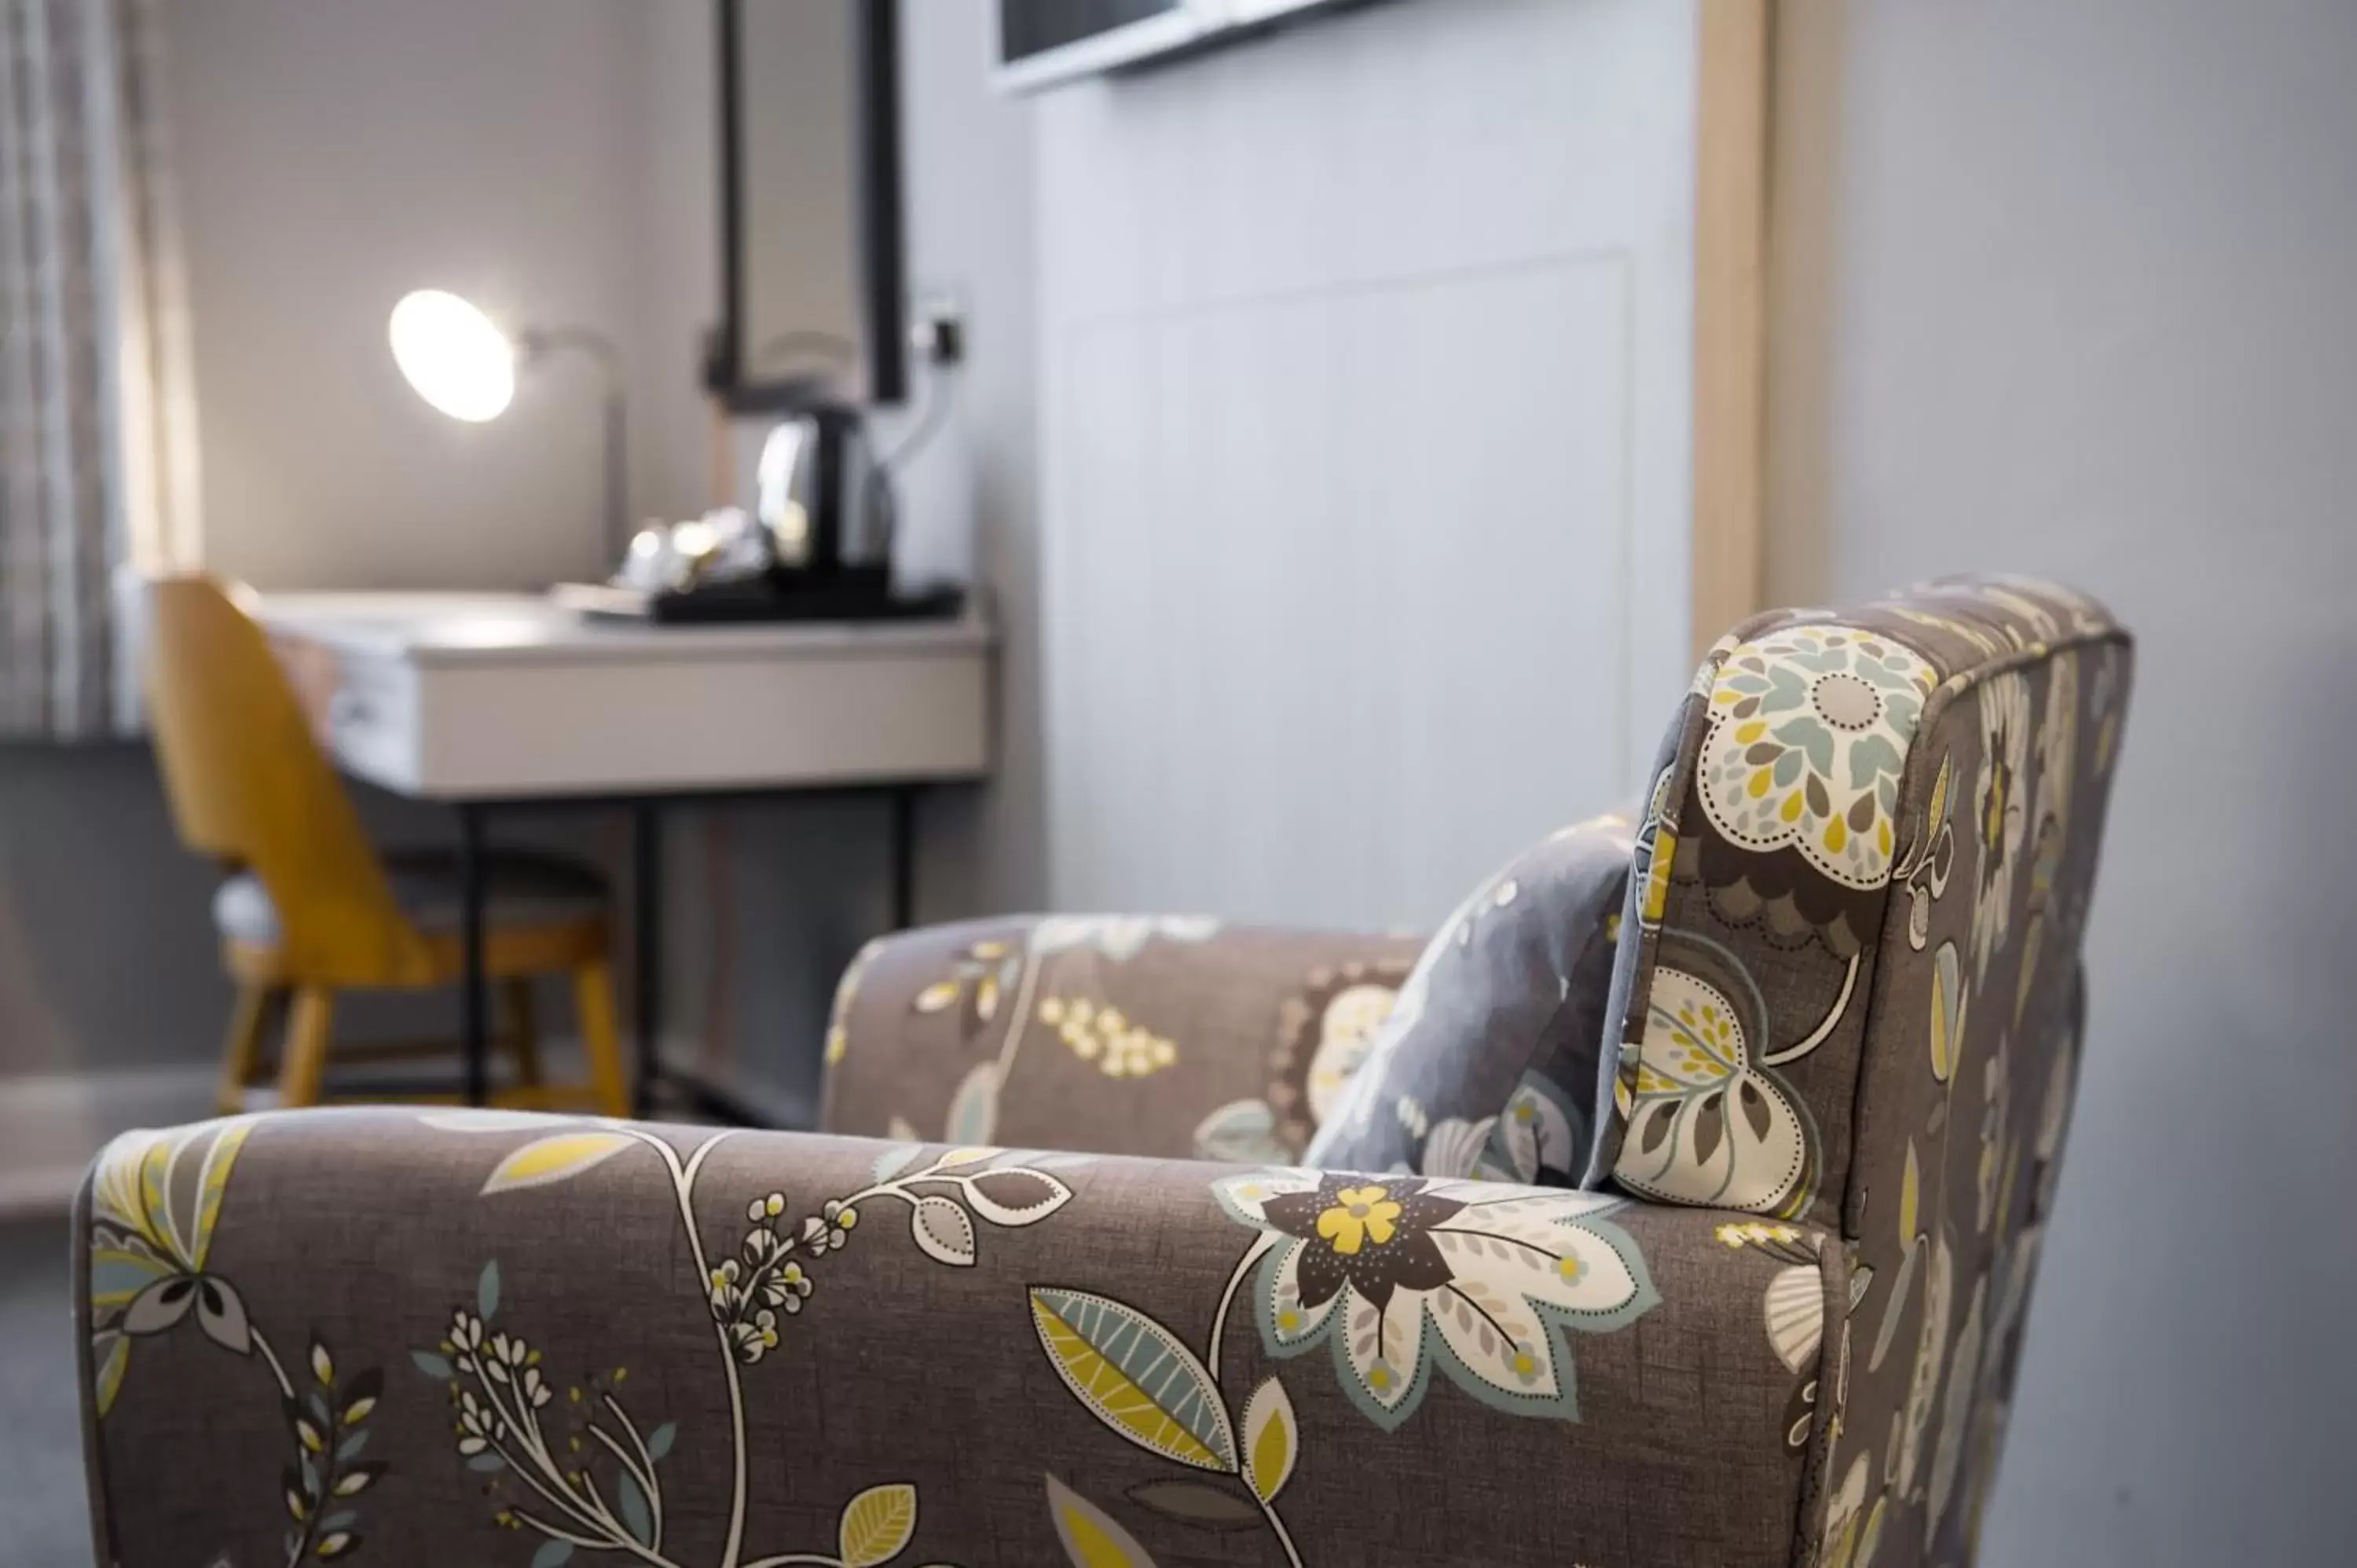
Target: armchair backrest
{"x": 1858, "y": 892}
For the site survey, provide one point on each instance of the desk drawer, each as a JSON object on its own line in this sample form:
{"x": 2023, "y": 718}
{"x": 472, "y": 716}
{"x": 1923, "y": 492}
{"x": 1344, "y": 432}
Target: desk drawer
{"x": 702, "y": 724}
{"x": 511, "y": 706}
{"x": 363, "y": 710}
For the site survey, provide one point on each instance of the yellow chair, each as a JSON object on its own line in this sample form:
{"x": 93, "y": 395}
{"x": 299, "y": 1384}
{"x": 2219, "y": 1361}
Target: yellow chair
{"x": 309, "y": 907}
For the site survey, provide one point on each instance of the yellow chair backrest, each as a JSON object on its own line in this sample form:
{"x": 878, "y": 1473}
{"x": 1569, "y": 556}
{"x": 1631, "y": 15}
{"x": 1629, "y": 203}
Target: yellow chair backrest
{"x": 248, "y": 785}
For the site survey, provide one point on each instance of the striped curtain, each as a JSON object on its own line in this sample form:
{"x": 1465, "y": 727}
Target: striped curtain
{"x": 98, "y": 473}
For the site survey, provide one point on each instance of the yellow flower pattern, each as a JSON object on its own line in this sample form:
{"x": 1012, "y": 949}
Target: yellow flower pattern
{"x": 1700, "y": 1044}
{"x": 1710, "y": 1123}
{"x": 1359, "y": 1215}
{"x": 1809, "y": 731}
{"x": 1106, "y": 1037}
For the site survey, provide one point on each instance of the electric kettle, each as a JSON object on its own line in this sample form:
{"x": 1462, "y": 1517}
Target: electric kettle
{"x": 826, "y": 507}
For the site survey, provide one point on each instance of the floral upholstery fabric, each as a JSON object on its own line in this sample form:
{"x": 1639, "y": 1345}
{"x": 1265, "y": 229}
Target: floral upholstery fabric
{"x": 1834, "y": 1058}
{"x": 407, "y": 1337}
{"x": 1853, "y": 996}
{"x": 1166, "y": 1035}
{"x": 1835, "y": 782}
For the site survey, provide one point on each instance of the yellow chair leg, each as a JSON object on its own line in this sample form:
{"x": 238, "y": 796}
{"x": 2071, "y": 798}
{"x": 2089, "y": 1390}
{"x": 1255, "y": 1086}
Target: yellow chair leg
{"x": 242, "y": 1053}
{"x": 523, "y": 1028}
{"x": 307, "y": 1026}
{"x": 593, "y": 1008}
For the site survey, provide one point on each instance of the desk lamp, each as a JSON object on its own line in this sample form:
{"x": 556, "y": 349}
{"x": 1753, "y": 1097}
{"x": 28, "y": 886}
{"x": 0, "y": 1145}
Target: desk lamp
{"x": 459, "y": 361}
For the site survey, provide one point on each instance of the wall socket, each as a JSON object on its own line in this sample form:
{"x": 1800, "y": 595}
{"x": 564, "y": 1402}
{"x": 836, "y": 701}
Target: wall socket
{"x": 937, "y": 330}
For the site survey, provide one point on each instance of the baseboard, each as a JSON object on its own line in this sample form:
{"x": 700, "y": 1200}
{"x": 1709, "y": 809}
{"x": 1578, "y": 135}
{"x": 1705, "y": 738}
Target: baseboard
{"x": 52, "y": 1123}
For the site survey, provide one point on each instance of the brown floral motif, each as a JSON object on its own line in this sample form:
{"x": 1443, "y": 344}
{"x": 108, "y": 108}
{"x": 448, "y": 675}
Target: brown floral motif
{"x": 748, "y": 1297}
{"x": 581, "y": 1472}
{"x": 1930, "y": 858}
{"x": 1809, "y": 728}
{"x": 1778, "y": 896}
{"x": 1655, "y": 853}
{"x": 1324, "y": 1036}
{"x": 2049, "y": 817}
{"x": 847, "y": 991}
{"x": 1799, "y": 779}
{"x": 1794, "y": 1312}
{"x": 1377, "y": 1236}
{"x": 1710, "y": 1119}
{"x": 1400, "y": 1274}
{"x": 996, "y": 979}
{"x": 151, "y": 1230}
{"x": 1999, "y": 813}
{"x": 976, "y": 984}
{"x": 328, "y": 1424}
{"x": 2106, "y": 692}
{"x": 1852, "y": 1530}
{"x": 156, "y": 1200}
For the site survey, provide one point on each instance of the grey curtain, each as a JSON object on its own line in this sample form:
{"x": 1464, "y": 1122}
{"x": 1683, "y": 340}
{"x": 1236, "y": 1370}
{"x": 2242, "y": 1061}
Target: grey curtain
{"x": 97, "y": 422}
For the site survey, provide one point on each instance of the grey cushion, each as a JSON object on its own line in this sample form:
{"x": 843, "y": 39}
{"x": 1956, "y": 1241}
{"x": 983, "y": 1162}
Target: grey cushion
{"x": 522, "y": 889}
{"x": 1488, "y": 1063}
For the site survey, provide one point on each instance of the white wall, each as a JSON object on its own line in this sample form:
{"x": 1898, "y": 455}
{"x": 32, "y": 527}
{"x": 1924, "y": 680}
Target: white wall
{"x": 971, "y": 502}
{"x": 335, "y": 154}
{"x": 1366, "y": 363}
{"x": 2073, "y": 289}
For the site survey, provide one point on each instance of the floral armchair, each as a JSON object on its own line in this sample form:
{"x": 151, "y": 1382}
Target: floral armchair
{"x": 1179, "y": 1244}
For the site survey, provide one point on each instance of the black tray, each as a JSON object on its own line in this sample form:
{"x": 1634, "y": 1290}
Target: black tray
{"x": 855, "y": 593}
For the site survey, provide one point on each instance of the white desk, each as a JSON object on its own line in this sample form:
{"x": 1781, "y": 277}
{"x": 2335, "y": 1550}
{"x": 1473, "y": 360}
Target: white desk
{"x": 493, "y": 696}
{"x": 502, "y": 699}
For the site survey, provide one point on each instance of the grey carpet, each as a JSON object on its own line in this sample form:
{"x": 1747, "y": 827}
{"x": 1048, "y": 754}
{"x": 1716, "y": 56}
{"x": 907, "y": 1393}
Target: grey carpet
{"x": 43, "y": 1520}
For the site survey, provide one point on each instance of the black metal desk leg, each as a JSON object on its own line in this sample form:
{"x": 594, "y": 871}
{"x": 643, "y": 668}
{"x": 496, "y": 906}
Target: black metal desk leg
{"x": 472, "y": 1036}
{"x": 904, "y": 856}
{"x": 646, "y": 930}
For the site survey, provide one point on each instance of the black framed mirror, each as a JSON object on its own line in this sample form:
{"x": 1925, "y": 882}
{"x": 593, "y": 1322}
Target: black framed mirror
{"x": 812, "y": 311}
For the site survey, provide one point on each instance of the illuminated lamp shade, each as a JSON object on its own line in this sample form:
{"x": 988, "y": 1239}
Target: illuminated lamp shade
{"x": 453, "y": 355}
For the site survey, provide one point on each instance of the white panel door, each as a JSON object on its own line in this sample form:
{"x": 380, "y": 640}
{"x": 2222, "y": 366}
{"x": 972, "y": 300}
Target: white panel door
{"x": 1366, "y": 355}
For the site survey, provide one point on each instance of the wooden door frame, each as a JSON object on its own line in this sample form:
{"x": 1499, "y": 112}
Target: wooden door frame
{"x": 1732, "y": 146}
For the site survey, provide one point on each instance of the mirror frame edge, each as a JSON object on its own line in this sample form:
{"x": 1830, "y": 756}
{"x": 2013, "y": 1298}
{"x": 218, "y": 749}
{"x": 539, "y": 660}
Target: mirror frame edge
{"x": 880, "y": 259}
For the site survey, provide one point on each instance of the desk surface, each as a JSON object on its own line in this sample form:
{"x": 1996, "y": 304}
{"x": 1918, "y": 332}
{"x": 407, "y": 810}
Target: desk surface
{"x": 488, "y": 629}
{"x": 486, "y": 696}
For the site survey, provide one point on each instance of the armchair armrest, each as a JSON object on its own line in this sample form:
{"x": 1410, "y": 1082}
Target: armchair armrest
{"x": 494, "y": 1339}
{"x": 1151, "y": 1034}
